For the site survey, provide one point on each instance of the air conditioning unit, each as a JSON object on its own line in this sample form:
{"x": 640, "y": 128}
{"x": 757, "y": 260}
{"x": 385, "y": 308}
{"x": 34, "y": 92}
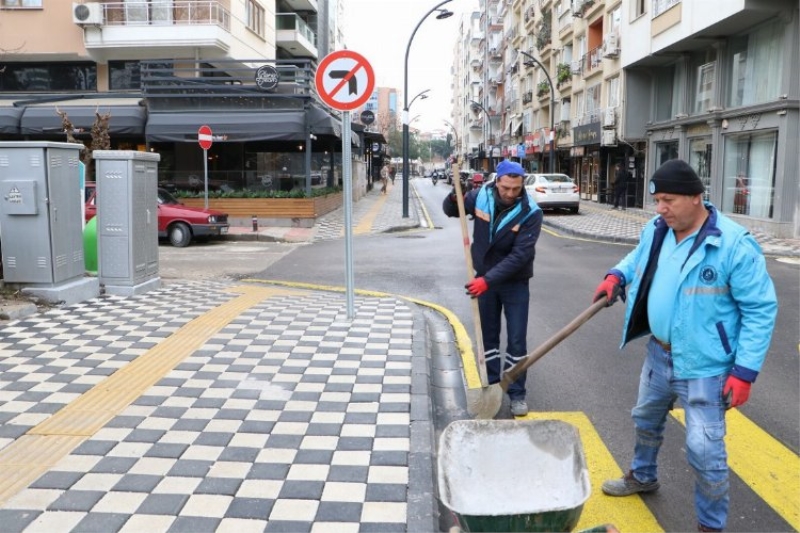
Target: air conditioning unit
{"x": 609, "y": 138}
{"x": 575, "y": 67}
{"x": 610, "y": 45}
{"x": 87, "y": 14}
{"x": 609, "y": 118}
{"x": 577, "y": 8}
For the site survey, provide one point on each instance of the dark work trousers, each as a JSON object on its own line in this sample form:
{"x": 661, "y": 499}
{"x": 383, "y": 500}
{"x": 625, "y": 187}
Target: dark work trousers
{"x": 512, "y": 300}
{"x": 620, "y": 197}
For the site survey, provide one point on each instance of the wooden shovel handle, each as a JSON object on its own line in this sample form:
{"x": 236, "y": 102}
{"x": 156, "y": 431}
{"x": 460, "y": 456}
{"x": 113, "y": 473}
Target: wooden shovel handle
{"x": 518, "y": 369}
{"x": 480, "y": 358}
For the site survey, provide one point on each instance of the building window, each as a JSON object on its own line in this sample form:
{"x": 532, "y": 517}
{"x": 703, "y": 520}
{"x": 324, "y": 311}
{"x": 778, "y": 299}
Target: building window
{"x": 659, "y": 6}
{"x": 700, "y": 160}
{"x": 255, "y": 17}
{"x": 593, "y": 104}
{"x": 22, "y": 3}
{"x": 614, "y": 20}
{"x": 665, "y": 100}
{"x": 756, "y": 66}
{"x": 639, "y": 8}
{"x": 666, "y": 152}
{"x": 704, "y": 94}
{"x": 749, "y": 174}
{"x": 36, "y": 77}
{"x": 613, "y": 91}
{"x": 124, "y": 75}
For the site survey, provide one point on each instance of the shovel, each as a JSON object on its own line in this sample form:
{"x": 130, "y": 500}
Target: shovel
{"x": 480, "y": 359}
{"x": 485, "y": 403}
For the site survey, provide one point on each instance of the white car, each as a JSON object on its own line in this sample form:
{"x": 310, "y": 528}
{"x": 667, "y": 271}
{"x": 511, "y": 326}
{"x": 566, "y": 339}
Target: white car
{"x": 553, "y": 191}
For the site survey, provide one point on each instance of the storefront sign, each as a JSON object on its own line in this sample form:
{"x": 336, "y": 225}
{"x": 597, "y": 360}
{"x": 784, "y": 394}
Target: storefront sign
{"x": 588, "y": 134}
{"x": 520, "y": 151}
{"x": 698, "y": 129}
{"x": 267, "y": 78}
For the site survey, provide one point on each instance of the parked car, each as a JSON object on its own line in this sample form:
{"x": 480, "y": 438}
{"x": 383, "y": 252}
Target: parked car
{"x": 176, "y": 222}
{"x": 553, "y": 191}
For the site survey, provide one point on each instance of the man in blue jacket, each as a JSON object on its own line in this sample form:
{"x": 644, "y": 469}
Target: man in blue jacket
{"x": 507, "y": 223}
{"x": 698, "y": 285}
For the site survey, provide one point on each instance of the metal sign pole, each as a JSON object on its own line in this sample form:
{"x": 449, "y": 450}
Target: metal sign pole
{"x": 347, "y": 170}
{"x": 205, "y": 177}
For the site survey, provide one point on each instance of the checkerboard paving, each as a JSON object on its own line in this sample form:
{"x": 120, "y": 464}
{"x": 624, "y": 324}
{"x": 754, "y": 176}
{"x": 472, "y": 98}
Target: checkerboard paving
{"x": 291, "y": 418}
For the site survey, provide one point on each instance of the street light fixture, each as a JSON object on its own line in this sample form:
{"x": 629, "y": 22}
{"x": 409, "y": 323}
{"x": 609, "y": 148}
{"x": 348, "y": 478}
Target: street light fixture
{"x": 421, "y": 95}
{"x": 455, "y": 137}
{"x": 443, "y": 14}
{"x": 552, "y": 106}
{"x": 489, "y": 127}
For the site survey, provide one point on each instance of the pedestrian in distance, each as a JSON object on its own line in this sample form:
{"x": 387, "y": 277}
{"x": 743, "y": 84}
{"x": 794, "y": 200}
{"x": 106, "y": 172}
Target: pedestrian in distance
{"x": 392, "y": 173}
{"x": 385, "y": 173}
{"x": 506, "y": 226}
{"x": 698, "y": 286}
{"x": 620, "y": 186}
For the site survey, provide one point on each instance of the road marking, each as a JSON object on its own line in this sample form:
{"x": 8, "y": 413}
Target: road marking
{"x": 626, "y": 514}
{"x": 29, "y": 456}
{"x": 768, "y": 467}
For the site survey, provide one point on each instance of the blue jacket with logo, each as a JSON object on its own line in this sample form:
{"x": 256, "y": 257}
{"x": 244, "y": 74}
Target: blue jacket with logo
{"x": 725, "y": 304}
{"x": 504, "y": 243}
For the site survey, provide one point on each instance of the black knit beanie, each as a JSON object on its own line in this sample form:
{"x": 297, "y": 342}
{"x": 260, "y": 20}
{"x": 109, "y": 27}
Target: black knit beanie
{"x": 676, "y": 177}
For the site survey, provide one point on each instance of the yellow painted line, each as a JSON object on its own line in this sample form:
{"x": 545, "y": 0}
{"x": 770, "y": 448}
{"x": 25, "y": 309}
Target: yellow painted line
{"x": 29, "y": 456}
{"x": 425, "y": 214}
{"x": 365, "y": 225}
{"x": 768, "y": 467}
{"x": 463, "y": 340}
{"x": 628, "y": 514}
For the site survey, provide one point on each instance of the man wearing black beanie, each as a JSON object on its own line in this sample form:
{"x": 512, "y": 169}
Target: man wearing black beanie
{"x": 700, "y": 289}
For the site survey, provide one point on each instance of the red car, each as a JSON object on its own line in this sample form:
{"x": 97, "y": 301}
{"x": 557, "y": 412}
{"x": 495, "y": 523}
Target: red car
{"x": 176, "y": 222}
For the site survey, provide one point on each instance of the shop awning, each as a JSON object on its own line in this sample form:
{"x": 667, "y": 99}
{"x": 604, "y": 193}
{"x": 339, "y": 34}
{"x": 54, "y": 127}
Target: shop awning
{"x": 9, "y": 119}
{"x": 236, "y": 126}
{"x": 125, "y": 118}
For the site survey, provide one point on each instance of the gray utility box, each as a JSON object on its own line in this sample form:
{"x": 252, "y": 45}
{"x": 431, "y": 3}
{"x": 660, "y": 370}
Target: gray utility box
{"x": 127, "y": 220}
{"x": 40, "y": 212}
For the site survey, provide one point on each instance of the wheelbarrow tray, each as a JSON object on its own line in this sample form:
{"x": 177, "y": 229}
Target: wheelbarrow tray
{"x": 513, "y": 475}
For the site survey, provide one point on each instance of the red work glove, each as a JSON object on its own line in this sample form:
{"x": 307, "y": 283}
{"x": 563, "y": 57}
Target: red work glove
{"x": 476, "y": 287}
{"x": 607, "y": 289}
{"x": 735, "y": 392}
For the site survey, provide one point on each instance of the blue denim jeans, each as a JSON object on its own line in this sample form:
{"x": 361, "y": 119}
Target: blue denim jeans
{"x": 705, "y": 429}
{"x": 512, "y": 300}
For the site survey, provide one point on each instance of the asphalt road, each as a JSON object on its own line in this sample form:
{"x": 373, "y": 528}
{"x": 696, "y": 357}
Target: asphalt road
{"x": 587, "y": 373}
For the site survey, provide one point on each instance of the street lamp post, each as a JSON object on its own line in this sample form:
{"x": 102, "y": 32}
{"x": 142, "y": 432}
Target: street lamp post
{"x": 489, "y": 128}
{"x": 443, "y": 14}
{"x": 552, "y": 109}
{"x": 455, "y": 137}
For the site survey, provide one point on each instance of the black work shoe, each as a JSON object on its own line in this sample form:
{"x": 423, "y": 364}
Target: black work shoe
{"x": 701, "y": 527}
{"x": 627, "y": 485}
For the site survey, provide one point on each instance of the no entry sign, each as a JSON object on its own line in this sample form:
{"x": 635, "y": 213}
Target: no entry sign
{"x": 204, "y": 137}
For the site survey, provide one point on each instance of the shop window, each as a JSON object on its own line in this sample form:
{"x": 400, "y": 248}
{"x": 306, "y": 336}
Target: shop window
{"x": 124, "y": 75}
{"x": 666, "y": 151}
{"x": 756, "y": 66}
{"x": 749, "y": 174}
{"x": 666, "y": 107}
{"x": 700, "y": 160}
{"x": 33, "y": 77}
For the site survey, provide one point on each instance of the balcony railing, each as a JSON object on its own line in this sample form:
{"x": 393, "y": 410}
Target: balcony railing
{"x": 292, "y": 22}
{"x": 659, "y": 6}
{"x": 592, "y": 60}
{"x": 156, "y": 12}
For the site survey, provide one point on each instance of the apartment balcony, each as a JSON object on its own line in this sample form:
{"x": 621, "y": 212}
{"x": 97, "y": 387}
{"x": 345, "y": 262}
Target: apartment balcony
{"x": 303, "y": 5}
{"x": 592, "y": 61}
{"x": 295, "y": 36}
{"x": 156, "y": 29}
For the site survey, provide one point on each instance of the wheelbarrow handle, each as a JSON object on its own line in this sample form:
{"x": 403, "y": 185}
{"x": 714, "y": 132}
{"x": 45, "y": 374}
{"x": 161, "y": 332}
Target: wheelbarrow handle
{"x": 517, "y": 370}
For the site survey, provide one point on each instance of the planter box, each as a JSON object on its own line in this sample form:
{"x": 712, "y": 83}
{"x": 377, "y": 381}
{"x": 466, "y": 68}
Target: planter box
{"x": 296, "y": 212}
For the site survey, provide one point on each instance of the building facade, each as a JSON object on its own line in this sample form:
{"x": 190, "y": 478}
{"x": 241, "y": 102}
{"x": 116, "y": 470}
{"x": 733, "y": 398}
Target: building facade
{"x": 160, "y": 69}
{"x": 581, "y": 85}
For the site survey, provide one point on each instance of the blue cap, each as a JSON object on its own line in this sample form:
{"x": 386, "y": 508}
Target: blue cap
{"x": 509, "y": 167}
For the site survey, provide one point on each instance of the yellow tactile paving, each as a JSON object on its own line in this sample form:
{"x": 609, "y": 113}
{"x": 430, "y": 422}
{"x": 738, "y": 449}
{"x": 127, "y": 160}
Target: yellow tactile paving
{"x": 365, "y": 225}
{"x": 768, "y": 467}
{"x": 23, "y": 461}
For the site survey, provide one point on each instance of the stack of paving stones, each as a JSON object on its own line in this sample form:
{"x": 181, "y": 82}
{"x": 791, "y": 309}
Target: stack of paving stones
{"x": 290, "y": 418}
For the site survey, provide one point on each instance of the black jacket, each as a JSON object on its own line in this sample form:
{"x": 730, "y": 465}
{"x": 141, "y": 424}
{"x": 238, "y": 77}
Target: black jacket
{"x": 503, "y": 243}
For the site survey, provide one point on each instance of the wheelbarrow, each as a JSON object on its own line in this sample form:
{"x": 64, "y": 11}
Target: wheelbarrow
{"x": 512, "y": 475}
